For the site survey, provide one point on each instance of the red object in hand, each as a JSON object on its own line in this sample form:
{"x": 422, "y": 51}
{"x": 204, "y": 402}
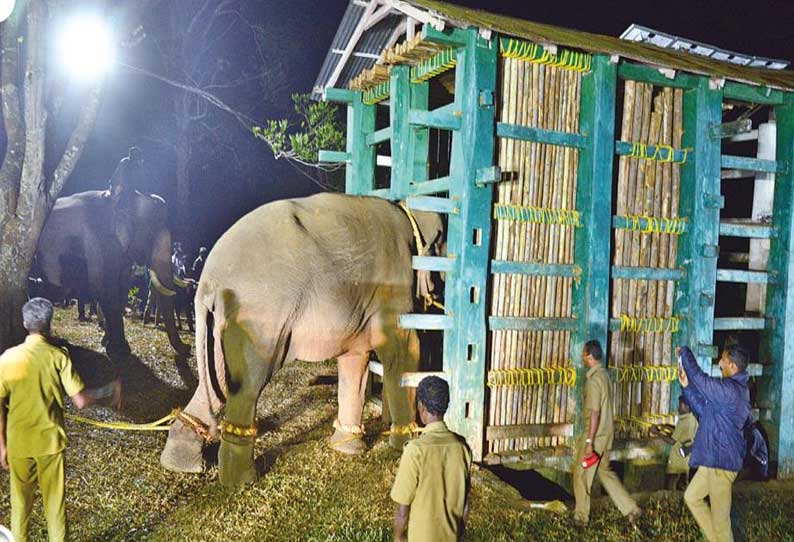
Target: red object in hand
{"x": 590, "y": 460}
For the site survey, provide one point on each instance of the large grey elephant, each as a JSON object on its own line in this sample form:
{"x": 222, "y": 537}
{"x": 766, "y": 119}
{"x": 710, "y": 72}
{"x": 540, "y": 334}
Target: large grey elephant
{"x": 80, "y": 229}
{"x": 311, "y": 279}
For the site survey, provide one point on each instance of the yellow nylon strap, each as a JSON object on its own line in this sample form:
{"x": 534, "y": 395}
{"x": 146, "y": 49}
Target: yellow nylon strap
{"x": 353, "y": 429}
{"x": 163, "y": 424}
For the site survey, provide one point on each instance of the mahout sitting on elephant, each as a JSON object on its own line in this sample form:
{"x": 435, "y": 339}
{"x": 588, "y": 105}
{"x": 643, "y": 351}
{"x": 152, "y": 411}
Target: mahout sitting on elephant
{"x": 81, "y": 228}
{"x": 311, "y": 279}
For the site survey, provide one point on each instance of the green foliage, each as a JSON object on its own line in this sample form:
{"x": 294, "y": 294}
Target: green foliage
{"x": 132, "y": 296}
{"x": 317, "y": 127}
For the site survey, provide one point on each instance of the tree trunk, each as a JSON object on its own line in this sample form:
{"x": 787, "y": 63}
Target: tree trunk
{"x": 16, "y": 256}
{"x": 183, "y": 176}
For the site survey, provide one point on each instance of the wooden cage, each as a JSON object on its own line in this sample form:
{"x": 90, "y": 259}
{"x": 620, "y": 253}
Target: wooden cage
{"x": 583, "y": 201}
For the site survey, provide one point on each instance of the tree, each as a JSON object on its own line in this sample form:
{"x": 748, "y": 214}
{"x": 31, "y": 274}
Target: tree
{"x": 317, "y": 128}
{"x": 28, "y": 187}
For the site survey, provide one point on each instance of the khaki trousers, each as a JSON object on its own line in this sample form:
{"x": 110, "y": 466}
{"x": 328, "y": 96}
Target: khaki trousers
{"x": 48, "y": 470}
{"x": 715, "y": 520}
{"x": 583, "y": 481}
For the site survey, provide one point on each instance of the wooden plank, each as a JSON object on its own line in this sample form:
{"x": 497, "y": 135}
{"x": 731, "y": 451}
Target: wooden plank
{"x": 590, "y": 304}
{"x": 730, "y": 324}
{"x": 341, "y": 95}
{"x": 426, "y": 321}
{"x": 751, "y": 164}
{"x": 753, "y": 369}
{"x": 752, "y": 93}
{"x": 332, "y": 157}
{"x": 648, "y": 74}
{"x": 778, "y": 343}
{"x": 498, "y": 432}
{"x": 746, "y": 277}
{"x": 360, "y": 173}
{"x": 442, "y": 120}
{"x": 748, "y": 229}
{"x": 532, "y": 323}
{"x": 401, "y": 154}
{"x": 434, "y": 263}
{"x": 646, "y": 273}
{"x": 376, "y": 367}
{"x": 539, "y": 135}
{"x": 533, "y": 269}
{"x": 701, "y": 175}
{"x": 412, "y": 380}
{"x": 435, "y": 186}
{"x": 432, "y": 204}
{"x": 384, "y": 134}
{"x": 472, "y": 149}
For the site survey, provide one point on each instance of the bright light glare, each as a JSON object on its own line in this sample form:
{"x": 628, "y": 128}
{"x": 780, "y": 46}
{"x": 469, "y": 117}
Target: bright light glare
{"x": 6, "y": 7}
{"x": 85, "y": 46}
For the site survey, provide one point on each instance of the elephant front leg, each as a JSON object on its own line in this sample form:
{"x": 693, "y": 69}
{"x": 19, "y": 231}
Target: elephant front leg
{"x": 186, "y": 438}
{"x": 348, "y": 434}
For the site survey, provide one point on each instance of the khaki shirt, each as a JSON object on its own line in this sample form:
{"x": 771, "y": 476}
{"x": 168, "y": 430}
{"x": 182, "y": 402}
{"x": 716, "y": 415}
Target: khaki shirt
{"x": 31, "y": 376}
{"x": 598, "y": 397}
{"x": 684, "y": 433}
{"x": 433, "y": 479}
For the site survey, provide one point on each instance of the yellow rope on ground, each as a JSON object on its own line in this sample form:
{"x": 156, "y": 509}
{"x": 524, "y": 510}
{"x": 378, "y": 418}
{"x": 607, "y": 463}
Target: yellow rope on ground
{"x": 532, "y": 376}
{"x": 412, "y": 429}
{"x": 163, "y": 424}
{"x": 536, "y": 215}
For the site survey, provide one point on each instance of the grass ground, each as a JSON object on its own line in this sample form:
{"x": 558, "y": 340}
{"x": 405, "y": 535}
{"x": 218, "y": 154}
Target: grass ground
{"x": 116, "y": 490}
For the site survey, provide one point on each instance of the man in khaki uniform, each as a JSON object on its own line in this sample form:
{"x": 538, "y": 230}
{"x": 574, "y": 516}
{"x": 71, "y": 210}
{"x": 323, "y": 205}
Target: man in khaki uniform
{"x": 32, "y": 442}
{"x": 683, "y": 437}
{"x": 431, "y": 488}
{"x": 598, "y": 436}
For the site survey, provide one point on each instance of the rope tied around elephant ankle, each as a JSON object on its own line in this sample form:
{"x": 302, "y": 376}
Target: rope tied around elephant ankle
{"x": 198, "y": 427}
{"x": 352, "y": 428}
{"x": 411, "y": 429}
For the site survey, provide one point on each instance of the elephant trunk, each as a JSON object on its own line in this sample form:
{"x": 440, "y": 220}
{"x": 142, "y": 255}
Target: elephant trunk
{"x": 163, "y": 284}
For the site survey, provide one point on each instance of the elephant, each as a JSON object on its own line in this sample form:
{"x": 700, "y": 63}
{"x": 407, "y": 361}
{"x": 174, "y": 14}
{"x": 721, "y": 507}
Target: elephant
{"x": 311, "y": 279}
{"x": 81, "y": 228}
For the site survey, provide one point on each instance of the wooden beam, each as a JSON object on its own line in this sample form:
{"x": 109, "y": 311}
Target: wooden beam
{"x": 472, "y": 150}
{"x": 539, "y": 135}
{"x": 778, "y": 343}
{"x": 592, "y": 241}
{"x": 497, "y": 432}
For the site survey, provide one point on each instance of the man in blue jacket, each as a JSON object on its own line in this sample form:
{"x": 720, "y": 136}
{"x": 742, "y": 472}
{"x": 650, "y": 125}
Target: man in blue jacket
{"x": 722, "y": 406}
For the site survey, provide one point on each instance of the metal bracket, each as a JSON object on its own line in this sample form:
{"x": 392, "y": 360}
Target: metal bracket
{"x": 486, "y": 98}
{"x": 706, "y": 299}
{"x": 487, "y": 175}
{"x": 710, "y": 251}
{"x": 713, "y": 201}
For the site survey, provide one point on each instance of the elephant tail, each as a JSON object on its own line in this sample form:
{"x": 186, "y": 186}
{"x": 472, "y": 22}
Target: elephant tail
{"x": 211, "y": 362}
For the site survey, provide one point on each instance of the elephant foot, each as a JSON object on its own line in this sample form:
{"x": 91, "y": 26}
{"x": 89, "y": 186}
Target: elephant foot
{"x": 347, "y": 443}
{"x": 236, "y": 461}
{"x": 118, "y": 349}
{"x": 182, "y": 452}
{"x": 399, "y": 435}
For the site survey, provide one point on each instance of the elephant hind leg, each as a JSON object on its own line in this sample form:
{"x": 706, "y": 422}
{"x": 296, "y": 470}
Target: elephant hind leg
{"x": 249, "y": 369}
{"x": 399, "y": 354}
{"x": 348, "y": 434}
{"x": 182, "y": 452}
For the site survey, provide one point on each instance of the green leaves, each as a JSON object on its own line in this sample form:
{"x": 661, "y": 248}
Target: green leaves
{"x": 316, "y": 126}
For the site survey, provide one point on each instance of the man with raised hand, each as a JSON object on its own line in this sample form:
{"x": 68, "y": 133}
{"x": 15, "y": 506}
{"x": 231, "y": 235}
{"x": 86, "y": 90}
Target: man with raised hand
{"x": 722, "y": 407}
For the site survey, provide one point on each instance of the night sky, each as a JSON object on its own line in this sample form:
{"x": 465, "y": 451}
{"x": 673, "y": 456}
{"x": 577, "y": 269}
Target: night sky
{"x": 298, "y": 34}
